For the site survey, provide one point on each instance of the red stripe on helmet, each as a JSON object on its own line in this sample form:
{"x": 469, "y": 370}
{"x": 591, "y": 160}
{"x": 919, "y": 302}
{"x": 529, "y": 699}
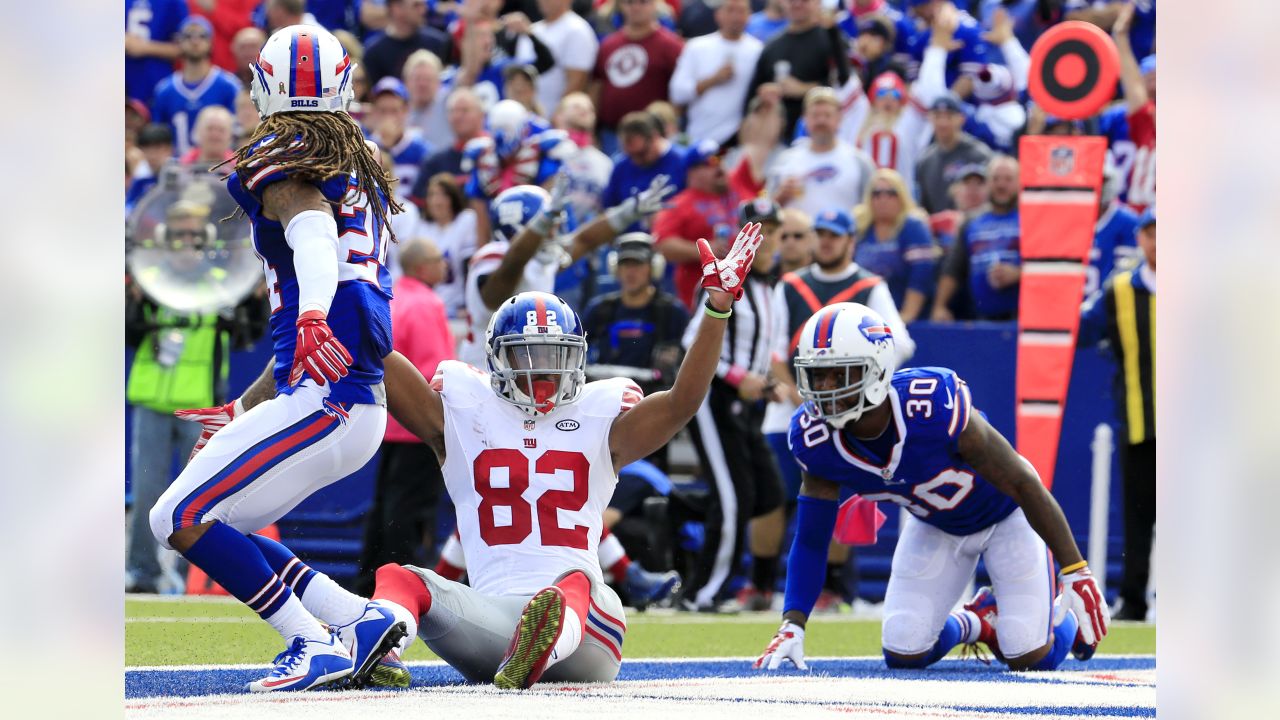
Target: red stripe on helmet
{"x": 541, "y": 307}
{"x": 826, "y": 325}
{"x": 305, "y": 82}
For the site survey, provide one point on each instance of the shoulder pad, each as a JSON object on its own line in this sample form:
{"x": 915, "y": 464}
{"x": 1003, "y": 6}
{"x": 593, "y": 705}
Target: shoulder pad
{"x": 934, "y": 396}
{"x": 461, "y": 384}
{"x": 610, "y": 398}
{"x": 477, "y": 146}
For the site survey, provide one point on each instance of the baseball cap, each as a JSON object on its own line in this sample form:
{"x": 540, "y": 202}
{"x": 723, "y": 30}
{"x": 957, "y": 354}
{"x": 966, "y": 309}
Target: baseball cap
{"x": 636, "y": 246}
{"x": 888, "y": 82}
{"x": 524, "y": 69}
{"x": 877, "y": 25}
{"x": 836, "y": 221}
{"x": 969, "y": 170}
{"x": 155, "y": 134}
{"x": 202, "y": 22}
{"x": 1148, "y": 217}
{"x": 948, "y": 101}
{"x": 761, "y": 209}
{"x": 390, "y": 84}
{"x": 703, "y": 153}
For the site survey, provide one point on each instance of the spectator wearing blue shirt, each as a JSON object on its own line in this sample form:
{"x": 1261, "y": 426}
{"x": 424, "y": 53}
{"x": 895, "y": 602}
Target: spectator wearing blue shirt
{"x": 986, "y": 255}
{"x": 1114, "y": 243}
{"x": 387, "y": 126}
{"x": 149, "y": 47}
{"x": 406, "y": 32}
{"x": 965, "y": 60}
{"x": 645, "y": 155}
{"x": 180, "y": 97}
{"x": 893, "y": 241}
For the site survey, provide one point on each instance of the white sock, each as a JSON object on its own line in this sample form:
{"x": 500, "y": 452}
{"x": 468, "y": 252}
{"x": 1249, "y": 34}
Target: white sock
{"x": 293, "y": 620}
{"x": 452, "y": 552}
{"x": 610, "y": 552}
{"x": 328, "y": 601}
{"x": 570, "y": 637}
{"x": 410, "y": 623}
{"x": 971, "y": 621}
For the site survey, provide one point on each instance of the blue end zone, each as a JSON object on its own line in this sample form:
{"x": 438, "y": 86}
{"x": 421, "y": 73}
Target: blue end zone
{"x": 221, "y": 681}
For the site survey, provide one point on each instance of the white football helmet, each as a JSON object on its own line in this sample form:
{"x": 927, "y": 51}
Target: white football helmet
{"x": 849, "y": 337}
{"x": 302, "y": 68}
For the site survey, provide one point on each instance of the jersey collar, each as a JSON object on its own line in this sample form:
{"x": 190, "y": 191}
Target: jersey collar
{"x": 889, "y": 469}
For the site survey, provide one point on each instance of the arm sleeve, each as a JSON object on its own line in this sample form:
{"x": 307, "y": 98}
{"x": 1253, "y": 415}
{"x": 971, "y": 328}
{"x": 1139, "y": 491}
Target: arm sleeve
{"x": 881, "y": 301}
{"x": 313, "y": 236}
{"x": 806, "y": 565}
{"x": 931, "y": 83}
{"x": 1093, "y": 318}
{"x": 1019, "y": 62}
{"x": 742, "y": 181}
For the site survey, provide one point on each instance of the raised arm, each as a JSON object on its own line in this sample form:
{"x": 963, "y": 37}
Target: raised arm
{"x": 501, "y": 283}
{"x": 413, "y": 402}
{"x": 1135, "y": 90}
{"x": 657, "y": 418}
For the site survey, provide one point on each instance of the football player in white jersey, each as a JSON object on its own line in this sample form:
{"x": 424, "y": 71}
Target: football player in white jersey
{"x": 526, "y": 251}
{"x": 530, "y": 453}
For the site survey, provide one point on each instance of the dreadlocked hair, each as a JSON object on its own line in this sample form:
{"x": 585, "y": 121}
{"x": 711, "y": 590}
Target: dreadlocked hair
{"x": 315, "y": 146}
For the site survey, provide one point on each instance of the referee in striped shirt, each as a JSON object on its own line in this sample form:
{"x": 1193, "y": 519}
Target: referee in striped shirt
{"x": 1124, "y": 314}
{"x": 743, "y": 478}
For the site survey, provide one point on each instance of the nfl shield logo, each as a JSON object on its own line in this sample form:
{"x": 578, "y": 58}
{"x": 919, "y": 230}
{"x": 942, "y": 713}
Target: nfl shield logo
{"x": 528, "y": 425}
{"x": 1062, "y": 160}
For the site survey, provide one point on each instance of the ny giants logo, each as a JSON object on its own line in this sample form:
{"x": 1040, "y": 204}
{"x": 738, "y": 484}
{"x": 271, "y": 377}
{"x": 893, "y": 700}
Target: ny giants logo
{"x": 531, "y": 442}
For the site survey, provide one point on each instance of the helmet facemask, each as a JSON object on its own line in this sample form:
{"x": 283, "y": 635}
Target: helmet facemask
{"x": 538, "y": 373}
{"x": 860, "y": 387}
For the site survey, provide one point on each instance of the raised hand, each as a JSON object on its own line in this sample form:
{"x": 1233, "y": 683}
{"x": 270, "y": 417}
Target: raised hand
{"x": 551, "y": 213}
{"x": 641, "y": 205}
{"x": 728, "y": 275}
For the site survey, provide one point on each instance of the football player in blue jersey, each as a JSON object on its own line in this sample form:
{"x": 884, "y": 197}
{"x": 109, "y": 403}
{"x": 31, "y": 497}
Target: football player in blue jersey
{"x": 913, "y": 438}
{"x": 319, "y": 203}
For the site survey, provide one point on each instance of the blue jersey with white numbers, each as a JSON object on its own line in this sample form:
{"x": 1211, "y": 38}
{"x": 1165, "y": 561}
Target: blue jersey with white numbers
{"x": 157, "y": 21}
{"x": 360, "y": 315}
{"x": 177, "y": 103}
{"x": 916, "y": 463}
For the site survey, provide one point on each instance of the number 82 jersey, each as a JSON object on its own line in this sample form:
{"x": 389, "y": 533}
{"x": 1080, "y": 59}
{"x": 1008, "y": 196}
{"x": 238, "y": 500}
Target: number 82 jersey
{"x": 916, "y": 464}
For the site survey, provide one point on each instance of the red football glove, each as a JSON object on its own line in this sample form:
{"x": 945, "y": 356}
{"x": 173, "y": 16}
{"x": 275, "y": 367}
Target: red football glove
{"x": 211, "y": 419}
{"x": 1080, "y": 593}
{"x": 318, "y": 353}
{"x": 729, "y": 274}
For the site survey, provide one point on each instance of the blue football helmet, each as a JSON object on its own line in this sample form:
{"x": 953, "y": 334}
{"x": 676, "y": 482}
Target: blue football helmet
{"x": 513, "y": 208}
{"x": 537, "y": 352}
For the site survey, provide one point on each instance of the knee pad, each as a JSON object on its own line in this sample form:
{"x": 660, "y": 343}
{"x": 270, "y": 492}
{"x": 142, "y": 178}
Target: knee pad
{"x": 906, "y": 633}
{"x": 1017, "y": 637}
{"x": 161, "y": 518}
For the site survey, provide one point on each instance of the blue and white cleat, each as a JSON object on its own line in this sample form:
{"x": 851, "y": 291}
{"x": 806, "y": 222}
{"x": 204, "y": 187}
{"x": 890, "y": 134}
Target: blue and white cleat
{"x": 306, "y": 664}
{"x": 369, "y": 638}
{"x": 646, "y": 588}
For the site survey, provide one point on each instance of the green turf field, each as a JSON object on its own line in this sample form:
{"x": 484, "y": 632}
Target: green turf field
{"x": 198, "y": 631}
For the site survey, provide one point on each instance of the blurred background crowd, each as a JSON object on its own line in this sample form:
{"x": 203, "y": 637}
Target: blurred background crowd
{"x": 874, "y": 138}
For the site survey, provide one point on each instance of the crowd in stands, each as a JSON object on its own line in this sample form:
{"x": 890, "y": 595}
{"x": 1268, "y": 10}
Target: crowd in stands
{"x": 886, "y": 130}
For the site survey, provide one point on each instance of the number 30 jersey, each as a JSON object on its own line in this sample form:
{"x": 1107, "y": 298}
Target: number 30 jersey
{"x": 530, "y": 493}
{"x": 916, "y": 464}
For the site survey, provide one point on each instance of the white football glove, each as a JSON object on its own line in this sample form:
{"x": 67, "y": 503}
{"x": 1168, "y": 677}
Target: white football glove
{"x": 550, "y": 214}
{"x": 641, "y": 205}
{"x": 730, "y": 273}
{"x": 787, "y": 644}
{"x": 1080, "y": 593}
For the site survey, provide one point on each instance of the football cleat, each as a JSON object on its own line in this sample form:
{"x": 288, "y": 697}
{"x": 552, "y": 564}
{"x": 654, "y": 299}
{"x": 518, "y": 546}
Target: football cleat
{"x": 390, "y": 671}
{"x": 369, "y": 638}
{"x": 534, "y": 640}
{"x": 306, "y": 664}
{"x": 983, "y": 605}
{"x": 646, "y": 588}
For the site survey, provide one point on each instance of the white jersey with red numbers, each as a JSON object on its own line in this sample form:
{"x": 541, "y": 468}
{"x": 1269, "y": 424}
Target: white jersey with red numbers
{"x": 530, "y": 493}
{"x": 539, "y": 275}
{"x": 1142, "y": 178}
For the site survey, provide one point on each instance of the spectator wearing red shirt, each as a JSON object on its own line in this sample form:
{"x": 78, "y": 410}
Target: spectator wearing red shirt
{"x": 228, "y": 17}
{"x": 403, "y": 517}
{"x": 214, "y": 133}
{"x": 1139, "y": 83}
{"x": 706, "y": 208}
{"x": 633, "y": 68}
